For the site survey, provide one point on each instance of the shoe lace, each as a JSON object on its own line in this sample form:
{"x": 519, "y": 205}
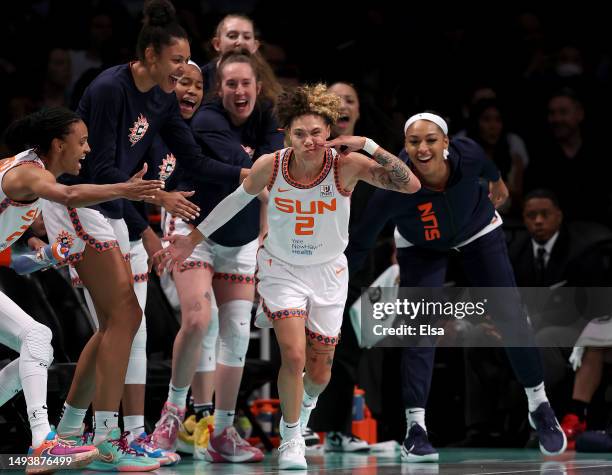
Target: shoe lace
{"x": 122, "y": 444}
{"x": 547, "y": 421}
{"x": 67, "y": 442}
{"x": 168, "y": 424}
{"x": 146, "y": 441}
{"x": 234, "y": 436}
{"x": 290, "y": 444}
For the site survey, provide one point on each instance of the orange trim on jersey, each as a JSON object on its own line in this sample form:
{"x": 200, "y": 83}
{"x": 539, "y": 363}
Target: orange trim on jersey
{"x": 72, "y": 259}
{"x": 88, "y": 239}
{"x": 324, "y": 340}
{"x": 235, "y": 278}
{"x": 191, "y": 265}
{"x": 339, "y": 186}
{"x": 282, "y": 314}
{"x": 140, "y": 278}
{"x": 327, "y": 165}
{"x": 274, "y": 170}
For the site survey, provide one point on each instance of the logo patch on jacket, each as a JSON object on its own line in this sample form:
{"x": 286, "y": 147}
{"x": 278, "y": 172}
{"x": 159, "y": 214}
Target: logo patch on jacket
{"x": 138, "y": 130}
{"x": 167, "y": 167}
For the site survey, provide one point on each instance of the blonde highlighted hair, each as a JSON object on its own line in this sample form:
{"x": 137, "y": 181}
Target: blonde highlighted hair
{"x": 305, "y": 100}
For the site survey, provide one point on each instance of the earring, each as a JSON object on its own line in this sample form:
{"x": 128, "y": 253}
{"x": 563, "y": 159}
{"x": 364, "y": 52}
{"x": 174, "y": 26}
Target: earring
{"x": 445, "y": 154}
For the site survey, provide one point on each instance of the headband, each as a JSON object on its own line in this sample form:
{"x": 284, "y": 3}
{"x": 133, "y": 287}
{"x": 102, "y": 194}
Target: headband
{"x": 436, "y": 119}
{"x": 193, "y": 63}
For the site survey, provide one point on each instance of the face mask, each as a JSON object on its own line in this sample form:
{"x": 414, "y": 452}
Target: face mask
{"x": 566, "y": 70}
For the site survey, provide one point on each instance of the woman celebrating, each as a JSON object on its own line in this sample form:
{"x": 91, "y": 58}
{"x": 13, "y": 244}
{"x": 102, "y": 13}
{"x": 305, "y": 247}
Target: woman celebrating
{"x": 453, "y": 211}
{"x": 58, "y": 138}
{"x": 302, "y": 276}
{"x": 125, "y": 107}
{"x": 235, "y": 129}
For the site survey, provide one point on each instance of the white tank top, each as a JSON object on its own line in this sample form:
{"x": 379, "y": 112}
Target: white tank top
{"x": 16, "y": 217}
{"x": 308, "y": 223}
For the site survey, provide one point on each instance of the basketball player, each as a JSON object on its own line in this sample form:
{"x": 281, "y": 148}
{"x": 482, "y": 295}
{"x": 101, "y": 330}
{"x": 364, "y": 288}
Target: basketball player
{"x": 235, "y": 129}
{"x": 302, "y": 272}
{"x": 125, "y": 107}
{"x": 452, "y": 210}
{"x": 58, "y": 138}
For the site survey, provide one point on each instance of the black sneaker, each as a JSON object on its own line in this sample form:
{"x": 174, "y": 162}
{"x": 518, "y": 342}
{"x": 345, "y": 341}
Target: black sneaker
{"x": 339, "y": 442}
{"x": 552, "y": 438}
{"x": 311, "y": 438}
{"x": 416, "y": 447}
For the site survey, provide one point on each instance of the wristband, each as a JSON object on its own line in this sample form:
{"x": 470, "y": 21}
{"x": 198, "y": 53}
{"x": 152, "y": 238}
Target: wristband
{"x": 370, "y": 146}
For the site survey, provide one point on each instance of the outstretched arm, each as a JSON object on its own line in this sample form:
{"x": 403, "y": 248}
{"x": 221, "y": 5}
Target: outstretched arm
{"x": 385, "y": 170}
{"x": 41, "y": 183}
{"x": 181, "y": 247}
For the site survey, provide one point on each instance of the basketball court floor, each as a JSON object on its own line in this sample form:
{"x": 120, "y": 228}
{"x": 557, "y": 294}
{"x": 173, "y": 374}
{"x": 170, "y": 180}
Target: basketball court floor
{"x": 452, "y": 462}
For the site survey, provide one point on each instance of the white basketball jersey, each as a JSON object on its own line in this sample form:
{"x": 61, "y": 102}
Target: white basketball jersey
{"x": 16, "y": 217}
{"x": 308, "y": 223}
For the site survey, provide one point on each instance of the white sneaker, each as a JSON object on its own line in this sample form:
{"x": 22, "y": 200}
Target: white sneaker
{"x": 310, "y": 437}
{"x": 292, "y": 455}
{"x": 339, "y": 442}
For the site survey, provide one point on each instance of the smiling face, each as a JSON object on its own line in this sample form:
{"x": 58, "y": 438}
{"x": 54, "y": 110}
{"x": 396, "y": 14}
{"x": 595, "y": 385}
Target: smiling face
{"x": 189, "y": 91}
{"x": 308, "y": 134}
{"x": 167, "y": 67}
{"x": 349, "y": 109}
{"x": 238, "y": 90}
{"x": 425, "y": 145}
{"x": 71, "y": 149}
{"x": 235, "y": 33}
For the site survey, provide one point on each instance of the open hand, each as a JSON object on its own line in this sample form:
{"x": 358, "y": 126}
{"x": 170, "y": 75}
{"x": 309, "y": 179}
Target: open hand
{"x": 177, "y": 204}
{"x": 137, "y": 189}
{"x": 171, "y": 257}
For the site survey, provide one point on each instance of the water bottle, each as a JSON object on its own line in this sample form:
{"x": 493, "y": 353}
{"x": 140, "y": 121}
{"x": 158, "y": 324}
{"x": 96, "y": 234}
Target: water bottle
{"x": 358, "y": 404}
{"x": 45, "y": 257}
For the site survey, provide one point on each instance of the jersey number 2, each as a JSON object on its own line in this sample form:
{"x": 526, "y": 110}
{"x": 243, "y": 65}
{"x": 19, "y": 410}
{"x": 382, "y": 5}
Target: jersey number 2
{"x": 304, "y": 225}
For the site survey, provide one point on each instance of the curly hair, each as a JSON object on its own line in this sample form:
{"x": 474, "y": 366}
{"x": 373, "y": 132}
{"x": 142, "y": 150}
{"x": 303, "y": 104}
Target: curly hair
{"x": 308, "y": 99}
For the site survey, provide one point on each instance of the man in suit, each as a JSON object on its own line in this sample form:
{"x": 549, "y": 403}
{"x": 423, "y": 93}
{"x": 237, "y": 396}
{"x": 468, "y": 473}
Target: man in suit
{"x": 542, "y": 257}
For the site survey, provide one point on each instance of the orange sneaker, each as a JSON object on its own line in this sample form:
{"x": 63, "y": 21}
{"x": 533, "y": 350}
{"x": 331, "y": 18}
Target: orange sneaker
{"x": 57, "y": 454}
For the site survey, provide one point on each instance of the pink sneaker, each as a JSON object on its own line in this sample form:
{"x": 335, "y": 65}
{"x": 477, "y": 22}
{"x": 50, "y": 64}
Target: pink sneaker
{"x": 166, "y": 430}
{"x": 228, "y": 446}
{"x": 56, "y": 454}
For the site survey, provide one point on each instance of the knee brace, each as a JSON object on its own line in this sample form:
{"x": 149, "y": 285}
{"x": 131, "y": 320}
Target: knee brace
{"x": 208, "y": 356}
{"x": 137, "y": 365}
{"x": 234, "y": 332}
{"x": 36, "y": 353}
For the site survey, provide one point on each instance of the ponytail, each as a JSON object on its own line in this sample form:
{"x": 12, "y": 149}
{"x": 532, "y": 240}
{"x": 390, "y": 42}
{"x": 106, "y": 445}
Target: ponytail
{"x": 160, "y": 27}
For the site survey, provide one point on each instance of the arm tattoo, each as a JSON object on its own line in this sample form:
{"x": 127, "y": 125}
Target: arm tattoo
{"x": 392, "y": 174}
